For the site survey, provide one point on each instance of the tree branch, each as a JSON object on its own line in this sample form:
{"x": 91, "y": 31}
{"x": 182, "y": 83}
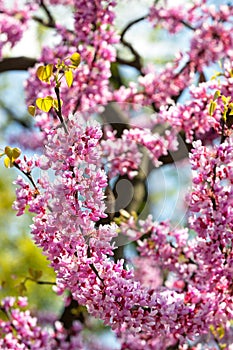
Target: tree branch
{"x": 132, "y": 23}
{"x": 16, "y": 63}
{"x": 51, "y": 21}
{"x": 137, "y": 58}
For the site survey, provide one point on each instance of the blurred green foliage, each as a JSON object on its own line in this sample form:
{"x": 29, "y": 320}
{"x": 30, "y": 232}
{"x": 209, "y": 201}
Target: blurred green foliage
{"x": 19, "y": 257}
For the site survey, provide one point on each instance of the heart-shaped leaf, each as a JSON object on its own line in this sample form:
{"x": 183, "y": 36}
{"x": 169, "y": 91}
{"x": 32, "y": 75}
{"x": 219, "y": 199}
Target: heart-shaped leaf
{"x": 45, "y": 104}
{"x": 75, "y": 59}
{"x": 44, "y": 73}
{"x": 16, "y": 153}
{"x": 32, "y": 110}
{"x": 9, "y": 151}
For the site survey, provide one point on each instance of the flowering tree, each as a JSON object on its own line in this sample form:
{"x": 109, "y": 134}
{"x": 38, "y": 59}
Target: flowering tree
{"x": 177, "y": 293}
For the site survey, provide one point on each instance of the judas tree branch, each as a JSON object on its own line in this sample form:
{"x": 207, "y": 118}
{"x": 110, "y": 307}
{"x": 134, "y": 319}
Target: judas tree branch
{"x": 16, "y": 63}
{"x": 137, "y": 58}
{"x": 132, "y": 23}
{"x": 51, "y": 21}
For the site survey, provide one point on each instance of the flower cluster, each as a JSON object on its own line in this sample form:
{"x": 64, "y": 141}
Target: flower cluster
{"x": 193, "y": 116}
{"x": 13, "y": 23}
{"x": 21, "y": 331}
{"x": 178, "y": 289}
{"x": 93, "y": 37}
{"x": 147, "y": 91}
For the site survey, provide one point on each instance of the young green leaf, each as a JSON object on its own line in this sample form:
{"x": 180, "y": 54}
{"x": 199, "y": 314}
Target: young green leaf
{"x": 45, "y": 104}
{"x": 44, "y": 73}
{"x": 55, "y": 103}
{"x": 9, "y": 151}
{"x": 212, "y": 107}
{"x": 32, "y": 110}
{"x": 15, "y": 153}
{"x": 69, "y": 77}
{"x": 225, "y": 99}
{"x": 8, "y": 163}
{"x": 75, "y": 59}
{"x": 216, "y": 95}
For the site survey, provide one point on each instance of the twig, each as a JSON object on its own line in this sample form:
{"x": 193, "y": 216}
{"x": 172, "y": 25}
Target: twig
{"x": 51, "y": 20}
{"x": 41, "y": 21}
{"x": 137, "y": 58}
{"x": 28, "y": 175}
{"x": 132, "y": 23}
{"x": 59, "y": 112}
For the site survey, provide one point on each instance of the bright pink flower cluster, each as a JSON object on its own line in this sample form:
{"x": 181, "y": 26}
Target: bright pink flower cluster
{"x": 21, "y": 331}
{"x": 122, "y": 155}
{"x": 212, "y": 38}
{"x": 146, "y": 309}
{"x": 193, "y": 116}
{"x": 64, "y": 226}
{"x": 157, "y": 88}
{"x": 93, "y": 37}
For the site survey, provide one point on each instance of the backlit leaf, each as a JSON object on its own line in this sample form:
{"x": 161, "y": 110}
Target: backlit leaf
{"x": 55, "y": 103}
{"x": 212, "y": 107}
{"x": 69, "y": 78}
{"x": 8, "y": 163}
{"x": 75, "y": 59}
{"x": 16, "y": 153}
{"x": 44, "y": 73}
{"x": 32, "y": 110}
{"x": 9, "y": 151}
{"x": 45, "y": 104}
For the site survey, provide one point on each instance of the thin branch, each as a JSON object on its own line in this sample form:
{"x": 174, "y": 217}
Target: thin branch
{"x": 134, "y": 63}
{"x": 59, "y": 112}
{"x": 39, "y": 282}
{"x": 45, "y": 24}
{"x": 28, "y": 175}
{"x": 132, "y": 23}
{"x": 187, "y": 25}
{"x": 137, "y": 58}
{"x": 51, "y": 20}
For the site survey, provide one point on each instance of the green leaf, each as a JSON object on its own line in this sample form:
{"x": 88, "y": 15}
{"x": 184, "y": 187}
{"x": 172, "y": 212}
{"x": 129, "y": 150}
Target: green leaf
{"x": 75, "y": 59}
{"x": 217, "y": 74}
{"x": 55, "y": 103}
{"x": 225, "y": 99}
{"x": 32, "y": 110}
{"x": 21, "y": 288}
{"x": 69, "y": 78}
{"x": 45, "y": 104}
{"x": 15, "y": 153}
{"x": 8, "y": 163}
{"x": 44, "y": 73}
{"x": 216, "y": 95}
{"x": 221, "y": 332}
{"x": 212, "y": 107}
{"x": 9, "y": 151}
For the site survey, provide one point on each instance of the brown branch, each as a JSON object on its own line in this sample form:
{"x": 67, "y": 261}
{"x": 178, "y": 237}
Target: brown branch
{"x": 137, "y": 58}
{"x": 134, "y": 63}
{"x": 16, "y": 63}
{"x": 51, "y": 21}
{"x": 45, "y": 24}
{"x": 132, "y": 23}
